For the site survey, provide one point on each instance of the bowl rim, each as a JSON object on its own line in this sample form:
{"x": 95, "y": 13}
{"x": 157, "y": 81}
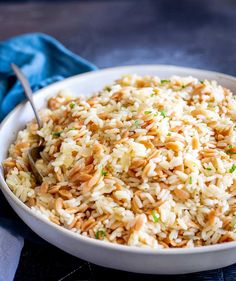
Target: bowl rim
{"x": 88, "y": 240}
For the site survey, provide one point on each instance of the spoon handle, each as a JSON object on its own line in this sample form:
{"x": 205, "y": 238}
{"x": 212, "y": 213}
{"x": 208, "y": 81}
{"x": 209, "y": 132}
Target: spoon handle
{"x": 27, "y": 90}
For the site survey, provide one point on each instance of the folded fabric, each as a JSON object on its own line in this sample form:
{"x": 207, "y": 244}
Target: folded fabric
{"x": 43, "y": 60}
{"x": 11, "y": 244}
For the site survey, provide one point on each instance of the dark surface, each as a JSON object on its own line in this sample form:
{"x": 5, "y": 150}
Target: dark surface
{"x": 47, "y": 263}
{"x": 185, "y": 32}
{"x": 197, "y": 33}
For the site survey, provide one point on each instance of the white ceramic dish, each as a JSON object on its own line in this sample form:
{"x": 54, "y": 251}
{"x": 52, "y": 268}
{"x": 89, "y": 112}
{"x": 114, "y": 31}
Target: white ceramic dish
{"x": 166, "y": 261}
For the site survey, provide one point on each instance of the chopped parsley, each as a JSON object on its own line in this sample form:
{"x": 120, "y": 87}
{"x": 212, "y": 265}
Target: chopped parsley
{"x": 232, "y": 169}
{"x": 201, "y": 81}
{"x": 208, "y": 169}
{"x": 107, "y": 88}
{"x": 230, "y": 152}
{"x": 230, "y": 145}
{"x": 103, "y": 173}
{"x": 163, "y": 113}
{"x": 71, "y": 129}
{"x": 137, "y": 123}
{"x": 179, "y": 89}
{"x": 190, "y": 180}
{"x": 155, "y": 218}
{"x": 100, "y": 234}
{"x": 147, "y": 112}
{"x": 169, "y": 134}
{"x": 152, "y": 95}
{"x": 164, "y": 81}
{"x": 72, "y": 105}
{"x": 56, "y": 134}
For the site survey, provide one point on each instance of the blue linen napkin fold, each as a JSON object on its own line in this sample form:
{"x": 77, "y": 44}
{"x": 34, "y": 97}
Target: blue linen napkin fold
{"x": 43, "y": 60}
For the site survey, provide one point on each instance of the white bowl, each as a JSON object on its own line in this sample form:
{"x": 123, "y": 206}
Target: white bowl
{"x": 163, "y": 261}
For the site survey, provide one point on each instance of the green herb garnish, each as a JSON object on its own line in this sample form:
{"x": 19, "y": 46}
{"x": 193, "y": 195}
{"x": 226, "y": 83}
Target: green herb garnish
{"x": 100, "y": 234}
{"x": 165, "y": 81}
{"x": 72, "y": 105}
{"x": 152, "y": 95}
{"x": 201, "y": 81}
{"x": 232, "y": 169}
{"x": 190, "y": 180}
{"x": 56, "y": 134}
{"x": 230, "y": 145}
{"x": 107, "y": 88}
{"x": 169, "y": 134}
{"x": 163, "y": 113}
{"x": 208, "y": 169}
{"x": 103, "y": 173}
{"x": 179, "y": 89}
{"x": 71, "y": 129}
{"x": 155, "y": 218}
{"x": 147, "y": 112}
{"x": 229, "y": 152}
{"x": 136, "y": 123}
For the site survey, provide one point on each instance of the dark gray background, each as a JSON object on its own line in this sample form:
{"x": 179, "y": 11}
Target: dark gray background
{"x": 191, "y": 33}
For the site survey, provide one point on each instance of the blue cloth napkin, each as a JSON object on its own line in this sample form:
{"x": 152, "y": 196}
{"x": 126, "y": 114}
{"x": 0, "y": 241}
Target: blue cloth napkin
{"x": 43, "y": 60}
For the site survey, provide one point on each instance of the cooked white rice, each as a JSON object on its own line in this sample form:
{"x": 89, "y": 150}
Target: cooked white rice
{"x": 144, "y": 162}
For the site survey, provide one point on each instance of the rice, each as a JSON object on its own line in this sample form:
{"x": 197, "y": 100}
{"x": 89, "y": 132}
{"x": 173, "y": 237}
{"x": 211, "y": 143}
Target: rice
{"x": 144, "y": 162}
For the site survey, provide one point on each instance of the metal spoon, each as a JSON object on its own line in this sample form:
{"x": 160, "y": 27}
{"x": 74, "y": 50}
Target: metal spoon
{"x": 33, "y": 153}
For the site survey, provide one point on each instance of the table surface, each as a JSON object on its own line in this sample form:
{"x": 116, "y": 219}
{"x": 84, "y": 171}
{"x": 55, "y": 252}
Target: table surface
{"x": 192, "y": 33}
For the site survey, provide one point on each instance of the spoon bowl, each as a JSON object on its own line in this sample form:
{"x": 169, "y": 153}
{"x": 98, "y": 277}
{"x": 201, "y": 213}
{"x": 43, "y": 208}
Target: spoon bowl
{"x": 33, "y": 153}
